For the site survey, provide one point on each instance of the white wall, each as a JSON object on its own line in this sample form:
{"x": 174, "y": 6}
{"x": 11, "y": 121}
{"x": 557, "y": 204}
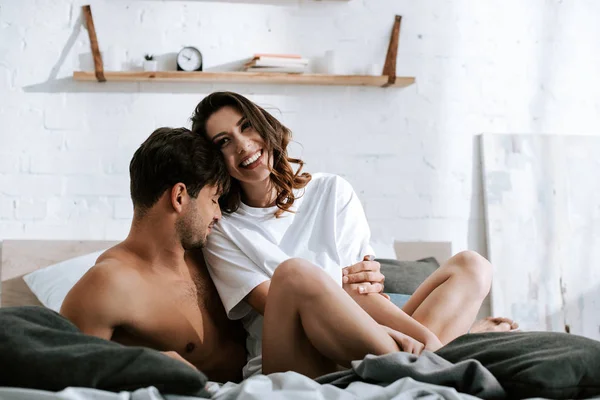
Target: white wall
{"x": 487, "y": 66}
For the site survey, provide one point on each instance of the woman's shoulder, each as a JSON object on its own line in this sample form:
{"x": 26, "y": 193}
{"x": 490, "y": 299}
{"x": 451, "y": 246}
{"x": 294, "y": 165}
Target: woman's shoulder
{"x": 328, "y": 186}
{"x": 325, "y": 180}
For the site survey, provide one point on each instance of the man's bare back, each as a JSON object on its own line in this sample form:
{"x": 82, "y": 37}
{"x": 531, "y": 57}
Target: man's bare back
{"x": 170, "y": 308}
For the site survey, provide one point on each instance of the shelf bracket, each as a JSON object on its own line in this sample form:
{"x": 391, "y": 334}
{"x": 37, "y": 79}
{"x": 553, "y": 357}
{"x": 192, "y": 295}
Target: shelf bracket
{"x": 389, "y": 68}
{"x": 89, "y": 21}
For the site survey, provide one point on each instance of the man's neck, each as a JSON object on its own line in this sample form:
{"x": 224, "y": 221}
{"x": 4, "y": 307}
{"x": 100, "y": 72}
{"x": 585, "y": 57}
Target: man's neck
{"x": 259, "y": 194}
{"x": 156, "y": 242}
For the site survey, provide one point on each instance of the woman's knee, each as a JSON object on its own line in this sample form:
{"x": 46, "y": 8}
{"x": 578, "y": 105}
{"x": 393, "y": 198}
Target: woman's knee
{"x": 476, "y": 268}
{"x": 298, "y": 275}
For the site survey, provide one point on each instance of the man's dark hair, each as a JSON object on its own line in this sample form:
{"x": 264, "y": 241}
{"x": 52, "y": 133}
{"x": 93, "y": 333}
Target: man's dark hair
{"x": 170, "y": 156}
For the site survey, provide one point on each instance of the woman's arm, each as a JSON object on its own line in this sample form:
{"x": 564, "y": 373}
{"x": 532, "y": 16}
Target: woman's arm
{"x": 387, "y": 313}
{"x": 384, "y": 312}
{"x": 352, "y": 242}
{"x": 257, "y": 298}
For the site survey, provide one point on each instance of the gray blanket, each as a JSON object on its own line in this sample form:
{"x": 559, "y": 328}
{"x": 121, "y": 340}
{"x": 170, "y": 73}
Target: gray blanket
{"x": 40, "y": 349}
{"x": 533, "y": 364}
{"x": 399, "y": 376}
{"x": 466, "y": 376}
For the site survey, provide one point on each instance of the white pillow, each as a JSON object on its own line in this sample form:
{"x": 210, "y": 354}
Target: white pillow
{"x": 384, "y": 248}
{"x": 51, "y": 284}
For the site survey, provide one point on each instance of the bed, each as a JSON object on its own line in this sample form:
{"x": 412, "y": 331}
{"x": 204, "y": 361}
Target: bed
{"x": 19, "y": 257}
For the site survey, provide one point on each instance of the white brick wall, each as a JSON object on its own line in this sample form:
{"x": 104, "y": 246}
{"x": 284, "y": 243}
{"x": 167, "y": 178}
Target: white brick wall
{"x": 123, "y": 208}
{"x": 26, "y": 210}
{"x": 485, "y": 66}
{"x": 7, "y": 209}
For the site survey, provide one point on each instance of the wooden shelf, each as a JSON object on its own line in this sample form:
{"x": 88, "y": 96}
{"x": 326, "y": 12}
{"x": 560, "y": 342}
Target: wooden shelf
{"x": 247, "y": 77}
{"x": 387, "y": 79}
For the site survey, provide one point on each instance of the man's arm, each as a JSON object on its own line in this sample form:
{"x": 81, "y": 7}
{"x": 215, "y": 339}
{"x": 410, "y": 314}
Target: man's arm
{"x": 98, "y": 302}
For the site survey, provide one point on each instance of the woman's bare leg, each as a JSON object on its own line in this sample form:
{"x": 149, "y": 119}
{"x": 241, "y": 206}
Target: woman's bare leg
{"x": 494, "y": 324}
{"x": 446, "y": 303}
{"x": 311, "y": 324}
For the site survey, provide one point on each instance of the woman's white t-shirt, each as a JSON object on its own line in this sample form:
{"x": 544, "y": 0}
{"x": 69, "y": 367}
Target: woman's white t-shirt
{"x": 328, "y": 228}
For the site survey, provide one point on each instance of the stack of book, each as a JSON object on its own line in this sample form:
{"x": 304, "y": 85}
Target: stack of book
{"x": 284, "y": 63}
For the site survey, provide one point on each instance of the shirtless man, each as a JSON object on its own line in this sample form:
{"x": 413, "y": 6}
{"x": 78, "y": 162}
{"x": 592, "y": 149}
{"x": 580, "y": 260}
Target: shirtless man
{"x": 153, "y": 289}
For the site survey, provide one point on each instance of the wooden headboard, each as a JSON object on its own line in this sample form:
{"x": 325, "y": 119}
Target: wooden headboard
{"x": 20, "y": 257}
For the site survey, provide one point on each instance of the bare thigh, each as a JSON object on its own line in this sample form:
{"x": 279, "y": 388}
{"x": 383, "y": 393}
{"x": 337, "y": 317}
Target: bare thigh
{"x": 286, "y": 346}
{"x": 311, "y": 324}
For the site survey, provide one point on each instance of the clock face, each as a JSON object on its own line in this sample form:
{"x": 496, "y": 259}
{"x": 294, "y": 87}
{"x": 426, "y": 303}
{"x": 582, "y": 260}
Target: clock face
{"x": 189, "y": 59}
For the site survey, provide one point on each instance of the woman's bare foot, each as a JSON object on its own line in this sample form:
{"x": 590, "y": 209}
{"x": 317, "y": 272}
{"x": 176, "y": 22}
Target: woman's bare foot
{"x": 494, "y": 324}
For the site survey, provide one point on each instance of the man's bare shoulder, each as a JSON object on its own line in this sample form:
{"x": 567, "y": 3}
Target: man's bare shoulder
{"x": 115, "y": 268}
{"x": 109, "y": 281}
{"x": 102, "y": 299}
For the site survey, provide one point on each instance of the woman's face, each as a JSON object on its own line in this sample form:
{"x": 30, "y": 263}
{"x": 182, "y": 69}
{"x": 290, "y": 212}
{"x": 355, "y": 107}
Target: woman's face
{"x": 243, "y": 148}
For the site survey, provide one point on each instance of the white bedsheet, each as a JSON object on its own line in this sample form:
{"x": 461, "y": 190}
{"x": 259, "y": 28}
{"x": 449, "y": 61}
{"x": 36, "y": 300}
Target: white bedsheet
{"x": 289, "y": 385}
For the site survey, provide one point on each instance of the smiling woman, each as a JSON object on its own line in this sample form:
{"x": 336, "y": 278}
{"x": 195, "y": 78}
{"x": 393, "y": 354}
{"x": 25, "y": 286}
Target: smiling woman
{"x": 292, "y": 246}
{"x": 254, "y": 147}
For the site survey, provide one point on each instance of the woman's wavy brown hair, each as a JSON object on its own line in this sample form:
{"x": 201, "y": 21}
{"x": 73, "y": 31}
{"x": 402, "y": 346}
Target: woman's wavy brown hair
{"x": 276, "y": 137}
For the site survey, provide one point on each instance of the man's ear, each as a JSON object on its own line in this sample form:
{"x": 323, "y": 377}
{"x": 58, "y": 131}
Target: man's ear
{"x": 179, "y": 196}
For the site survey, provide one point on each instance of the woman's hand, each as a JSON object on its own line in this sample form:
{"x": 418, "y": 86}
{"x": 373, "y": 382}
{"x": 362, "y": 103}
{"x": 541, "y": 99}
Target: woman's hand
{"x": 433, "y": 344}
{"x": 363, "y": 277}
{"x": 405, "y": 342}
